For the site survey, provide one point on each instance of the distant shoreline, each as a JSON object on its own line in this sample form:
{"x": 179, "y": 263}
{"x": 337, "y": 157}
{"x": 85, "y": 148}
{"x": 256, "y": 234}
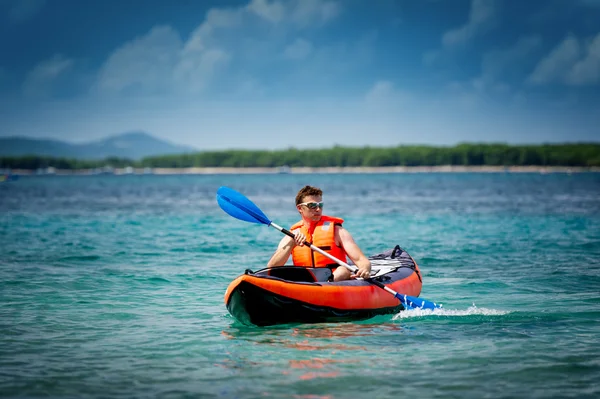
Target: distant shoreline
{"x": 308, "y": 170}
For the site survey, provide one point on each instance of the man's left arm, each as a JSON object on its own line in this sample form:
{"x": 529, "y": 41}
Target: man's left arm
{"x": 354, "y": 252}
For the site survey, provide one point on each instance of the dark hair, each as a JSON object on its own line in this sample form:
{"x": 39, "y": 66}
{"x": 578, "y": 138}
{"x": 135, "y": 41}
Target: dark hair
{"x": 306, "y": 191}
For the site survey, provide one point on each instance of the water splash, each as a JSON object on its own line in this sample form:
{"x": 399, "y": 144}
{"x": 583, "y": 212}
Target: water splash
{"x": 471, "y": 311}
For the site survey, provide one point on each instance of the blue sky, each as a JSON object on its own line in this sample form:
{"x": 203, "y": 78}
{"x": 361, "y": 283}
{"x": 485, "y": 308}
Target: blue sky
{"x": 266, "y": 74}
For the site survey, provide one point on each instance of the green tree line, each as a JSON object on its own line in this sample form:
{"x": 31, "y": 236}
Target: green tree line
{"x": 467, "y": 154}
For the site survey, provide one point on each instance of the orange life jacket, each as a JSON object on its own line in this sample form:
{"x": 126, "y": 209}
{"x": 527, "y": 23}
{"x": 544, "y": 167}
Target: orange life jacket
{"x": 323, "y": 237}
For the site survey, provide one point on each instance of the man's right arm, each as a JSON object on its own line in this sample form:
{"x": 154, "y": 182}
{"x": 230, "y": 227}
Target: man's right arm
{"x": 282, "y": 254}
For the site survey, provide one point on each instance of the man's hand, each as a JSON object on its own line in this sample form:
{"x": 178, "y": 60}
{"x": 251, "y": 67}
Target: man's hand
{"x": 363, "y": 272}
{"x": 299, "y": 238}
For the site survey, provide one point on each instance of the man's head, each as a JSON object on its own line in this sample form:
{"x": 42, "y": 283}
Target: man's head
{"x": 309, "y": 202}
{"x": 308, "y": 191}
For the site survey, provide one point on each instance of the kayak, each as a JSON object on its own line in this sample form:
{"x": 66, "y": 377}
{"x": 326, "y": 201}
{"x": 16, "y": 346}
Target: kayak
{"x": 297, "y": 294}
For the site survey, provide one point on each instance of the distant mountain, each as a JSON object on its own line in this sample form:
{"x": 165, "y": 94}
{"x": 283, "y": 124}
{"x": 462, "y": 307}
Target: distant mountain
{"x": 132, "y": 145}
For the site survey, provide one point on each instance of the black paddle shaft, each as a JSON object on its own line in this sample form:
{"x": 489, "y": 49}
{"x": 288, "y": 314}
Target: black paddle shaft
{"x": 289, "y": 233}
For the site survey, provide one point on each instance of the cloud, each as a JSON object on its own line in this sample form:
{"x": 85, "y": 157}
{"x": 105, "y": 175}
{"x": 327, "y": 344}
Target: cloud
{"x": 161, "y": 61}
{"x": 300, "y": 12}
{"x": 298, "y": 50}
{"x": 307, "y": 12}
{"x": 23, "y": 10}
{"x": 272, "y": 12}
{"x": 216, "y": 19}
{"x": 587, "y": 70}
{"x": 570, "y": 62}
{"x": 384, "y": 95}
{"x": 506, "y": 63}
{"x": 555, "y": 64}
{"x": 146, "y": 61}
{"x": 40, "y": 79}
{"x": 380, "y": 91}
{"x": 480, "y": 18}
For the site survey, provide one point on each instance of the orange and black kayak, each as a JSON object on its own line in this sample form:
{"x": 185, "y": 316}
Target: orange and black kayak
{"x": 296, "y": 294}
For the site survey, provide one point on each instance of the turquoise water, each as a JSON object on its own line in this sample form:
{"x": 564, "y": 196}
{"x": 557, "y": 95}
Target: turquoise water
{"x": 112, "y": 286}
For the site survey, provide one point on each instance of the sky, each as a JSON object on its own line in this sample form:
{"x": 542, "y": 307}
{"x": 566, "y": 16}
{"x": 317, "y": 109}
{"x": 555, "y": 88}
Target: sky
{"x": 274, "y": 74}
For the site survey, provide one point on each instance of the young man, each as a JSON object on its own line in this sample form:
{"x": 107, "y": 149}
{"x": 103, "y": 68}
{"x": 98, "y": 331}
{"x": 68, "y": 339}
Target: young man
{"x": 325, "y": 232}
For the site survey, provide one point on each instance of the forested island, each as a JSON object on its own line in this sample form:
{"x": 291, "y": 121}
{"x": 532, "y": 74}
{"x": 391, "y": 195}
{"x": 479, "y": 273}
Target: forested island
{"x": 468, "y": 154}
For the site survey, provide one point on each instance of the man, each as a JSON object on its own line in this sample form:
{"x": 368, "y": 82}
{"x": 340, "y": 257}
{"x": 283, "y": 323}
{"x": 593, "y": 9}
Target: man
{"x": 322, "y": 231}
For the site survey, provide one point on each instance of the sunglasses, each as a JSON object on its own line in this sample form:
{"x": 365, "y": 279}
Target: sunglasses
{"x": 312, "y": 205}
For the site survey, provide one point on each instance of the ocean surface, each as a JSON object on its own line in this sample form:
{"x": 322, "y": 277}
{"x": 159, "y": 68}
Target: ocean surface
{"x": 112, "y": 287}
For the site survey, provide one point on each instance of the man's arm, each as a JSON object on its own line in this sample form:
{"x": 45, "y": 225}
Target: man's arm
{"x": 282, "y": 254}
{"x": 354, "y": 252}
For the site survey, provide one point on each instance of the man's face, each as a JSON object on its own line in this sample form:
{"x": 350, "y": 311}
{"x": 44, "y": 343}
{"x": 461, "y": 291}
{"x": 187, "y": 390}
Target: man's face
{"x": 311, "y": 207}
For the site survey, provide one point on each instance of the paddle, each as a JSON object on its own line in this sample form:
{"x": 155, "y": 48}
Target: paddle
{"x": 240, "y": 207}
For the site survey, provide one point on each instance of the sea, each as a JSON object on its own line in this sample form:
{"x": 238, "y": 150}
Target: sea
{"x": 113, "y": 287}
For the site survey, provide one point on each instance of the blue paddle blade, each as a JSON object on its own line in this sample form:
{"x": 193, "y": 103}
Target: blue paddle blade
{"x": 240, "y": 207}
{"x": 417, "y": 303}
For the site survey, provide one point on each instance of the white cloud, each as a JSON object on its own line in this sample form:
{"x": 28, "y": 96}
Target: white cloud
{"x": 215, "y": 19}
{"x": 587, "y": 70}
{"x": 307, "y": 12}
{"x": 302, "y": 13}
{"x": 161, "y": 61}
{"x": 194, "y": 72}
{"x": 298, "y": 50}
{"x": 40, "y": 79}
{"x": 273, "y": 12}
{"x": 382, "y": 90}
{"x": 146, "y": 61}
{"x": 480, "y": 17}
{"x": 22, "y": 10}
{"x": 554, "y": 65}
{"x": 570, "y": 63}
{"x": 385, "y": 96}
